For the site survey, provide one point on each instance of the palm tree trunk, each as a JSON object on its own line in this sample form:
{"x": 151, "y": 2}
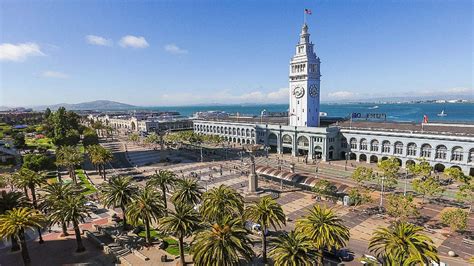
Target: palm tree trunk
{"x": 80, "y": 246}
{"x": 163, "y": 190}
{"x": 25, "y": 190}
{"x": 15, "y": 246}
{"x": 41, "y": 241}
{"x": 64, "y": 228}
{"x": 73, "y": 172}
{"x": 24, "y": 249}
{"x": 320, "y": 258}
{"x": 264, "y": 245}
{"x": 124, "y": 218}
{"x": 147, "y": 229}
{"x": 181, "y": 251}
{"x": 103, "y": 171}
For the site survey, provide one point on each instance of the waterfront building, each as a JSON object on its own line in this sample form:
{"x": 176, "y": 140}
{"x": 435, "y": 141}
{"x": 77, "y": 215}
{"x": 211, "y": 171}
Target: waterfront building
{"x": 305, "y": 133}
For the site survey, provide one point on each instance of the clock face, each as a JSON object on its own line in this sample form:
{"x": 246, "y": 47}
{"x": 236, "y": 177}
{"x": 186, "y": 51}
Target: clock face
{"x": 298, "y": 92}
{"x": 313, "y": 90}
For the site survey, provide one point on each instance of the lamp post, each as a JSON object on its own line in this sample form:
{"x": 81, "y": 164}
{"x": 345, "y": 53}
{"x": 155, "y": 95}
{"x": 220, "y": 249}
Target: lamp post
{"x": 381, "y": 194}
{"x": 345, "y": 166}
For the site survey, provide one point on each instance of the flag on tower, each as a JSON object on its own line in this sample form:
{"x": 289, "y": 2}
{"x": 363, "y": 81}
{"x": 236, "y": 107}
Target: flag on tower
{"x": 308, "y": 11}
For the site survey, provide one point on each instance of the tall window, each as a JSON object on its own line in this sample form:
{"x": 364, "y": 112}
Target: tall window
{"x": 425, "y": 151}
{"x": 386, "y": 146}
{"x": 398, "y": 148}
{"x": 471, "y": 155}
{"x": 441, "y": 152}
{"x": 363, "y": 144}
{"x": 354, "y": 144}
{"x": 457, "y": 154}
{"x": 374, "y": 145}
{"x": 411, "y": 149}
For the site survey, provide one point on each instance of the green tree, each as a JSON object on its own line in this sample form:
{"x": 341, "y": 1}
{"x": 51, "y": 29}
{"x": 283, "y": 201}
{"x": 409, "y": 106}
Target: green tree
{"x": 134, "y": 137}
{"x": 362, "y": 173}
{"x": 19, "y": 140}
{"x": 428, "y": 187}
{"x": 90, "y": 137}
{"x": 9, "y": 201}
{"x": 457, "y": 174}
{"x": 266, "y": 212}
{"x": 456, "y": 218}
{"x": 222, "y": 244}
{"x": 100, "y": 157}
{"x": 119, "y": 192}
{"x": 38, "y": 162}
{"x": 359, "y": 196}
{"x": 165, "y": 180}
{"x": 26, "y": 178}
{"x": 466, "y": 193}
{"x": 422, "y": 169}
{"x": 324, "y": 228}
{"x": 145, "y": 208}
{"x": 401, "y": 207}
{"x": 54, "y": 193}
{"x": 71, "y": 209}
{"x": 181, "y": 223}
{"x": 69, "y": 157}
{"x": 325, "y": 188}
{"x": 389, "y": 168}
{"x": 14, "y": 223}
{"x": 220, "y": 202}
{"x": 188, "y": 191}
{"x": 293, "y": 249}
{"x": 403, "y": 244}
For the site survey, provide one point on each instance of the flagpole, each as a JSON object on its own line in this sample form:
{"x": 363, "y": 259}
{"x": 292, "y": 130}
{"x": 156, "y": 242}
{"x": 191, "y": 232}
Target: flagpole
{"x": 304, "y": 16}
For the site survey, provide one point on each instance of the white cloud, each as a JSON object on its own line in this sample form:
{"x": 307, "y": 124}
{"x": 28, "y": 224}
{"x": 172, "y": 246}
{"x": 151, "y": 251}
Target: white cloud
{"x": 133, "y": 41}
{"x": 460, "y": 90}
{"x": 98, "y": 40}
{"x": 174, "y": 49}
{"x": 19, "y": 52}
{"x": 54, "y": 74}
{"x": 341, "y": 95}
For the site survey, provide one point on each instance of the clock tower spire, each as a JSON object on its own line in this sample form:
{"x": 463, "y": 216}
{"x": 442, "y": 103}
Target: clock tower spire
{"x": 304, "y": 83}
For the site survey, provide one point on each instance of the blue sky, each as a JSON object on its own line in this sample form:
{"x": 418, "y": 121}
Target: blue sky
{"x": 186, "y": 52}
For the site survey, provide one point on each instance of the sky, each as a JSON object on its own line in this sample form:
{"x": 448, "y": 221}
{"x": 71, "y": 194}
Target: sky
{"x": 195, "y": 52}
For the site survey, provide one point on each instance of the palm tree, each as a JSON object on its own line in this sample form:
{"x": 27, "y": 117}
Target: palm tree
{"x": 99, "y": 157}
{"x": 324, "y": 228}
{"x": 266, "y": 212}
{"x": 54, "y": 193}
{"x": 14, "y": 223}
{"x": 188, "y": 191}
{"x": 119, "y": 192}
{"x": 293, "y": 249}
{"x": 220, "y": 202}
{"x": 164, "y": 179}
{"x": 181, "y": 224}
{"x": 69, "y": 157}
{"x": 403, "y": 244}
{"x": 222, "y": 244}
{"x": 9, "y": 201}
{"x": 71, "y": 209}
{"x": 30, "y": 179}
{"x": 146, "y": 207}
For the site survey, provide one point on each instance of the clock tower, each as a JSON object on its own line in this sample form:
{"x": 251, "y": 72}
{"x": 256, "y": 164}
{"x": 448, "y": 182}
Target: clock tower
{"x": 304, "y": 83}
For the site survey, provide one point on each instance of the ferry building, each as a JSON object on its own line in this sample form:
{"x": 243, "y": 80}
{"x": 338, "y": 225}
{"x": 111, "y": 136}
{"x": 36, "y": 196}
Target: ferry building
{"x": 305, "y": 133}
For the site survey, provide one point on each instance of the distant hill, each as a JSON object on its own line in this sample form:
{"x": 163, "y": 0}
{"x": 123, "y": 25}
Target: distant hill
{"x": 94, "y": 105}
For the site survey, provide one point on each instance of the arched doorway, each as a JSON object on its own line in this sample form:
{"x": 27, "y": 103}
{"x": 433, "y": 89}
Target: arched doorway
{"x": 374, "y": 159}
{"x": 133, "y": 126}
{"x": 439, "y": 167}
{"x": 331, "y": 153}
{"x": 353, "y": 156}
{"x": 273, "y": 142}
{"x": 363, "y": 158}
{"x": 303, "y": 145}
{"x": 318, "y": 152}
{"x": 342, "y": 155}
{"x": 399, "y": 161}
{"x": 384, "y": 158}
{"x": 287, "y": 143}
{"x": 409, "y": 162}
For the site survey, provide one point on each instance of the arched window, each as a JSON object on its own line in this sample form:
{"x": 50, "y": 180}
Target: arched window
{"x": 441, "y": 152}
{"x": 471, "y": 155}
{"x": 353, "y": 143}
{"x": 238, "y": 131}
{"x": 457, "y": 154}
{"x": 411, "y": 149}
{"x": 287, "y": 139}
{"x": 253, "y": 133}
{"x": 303, "y": 141}
{"x": 247, "y": 132}
{"x": 363, "y": 144}
{"x": 398, "y": 147}
{"x": 386, "y": 146}
{"x": 343, "y": 143}
{"x": 374, "y": 145}
{"x": 425, "y": 150}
